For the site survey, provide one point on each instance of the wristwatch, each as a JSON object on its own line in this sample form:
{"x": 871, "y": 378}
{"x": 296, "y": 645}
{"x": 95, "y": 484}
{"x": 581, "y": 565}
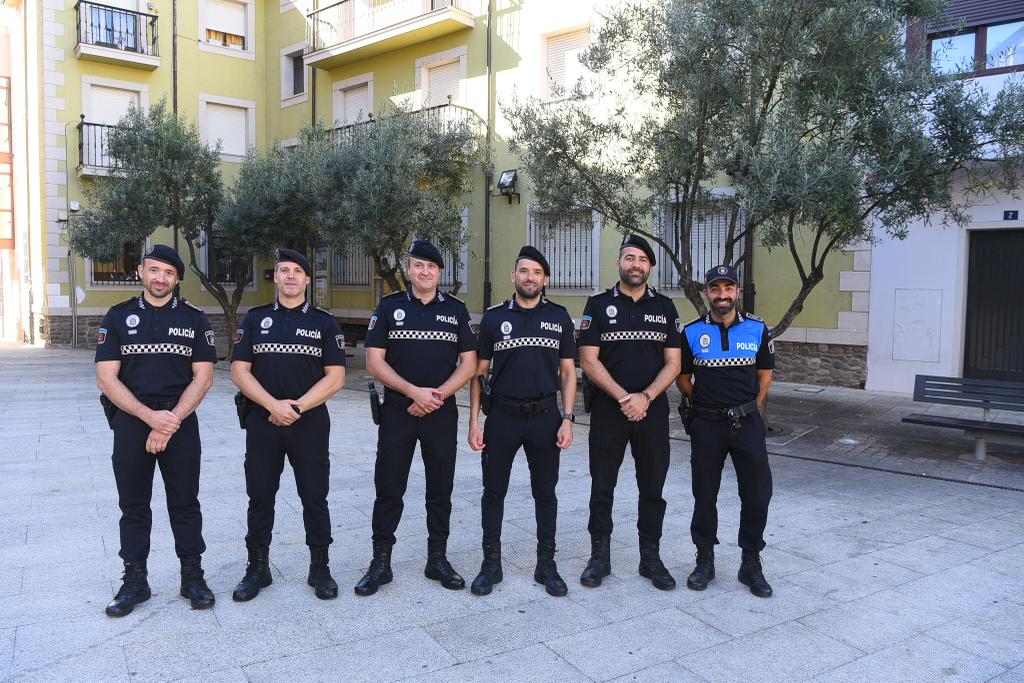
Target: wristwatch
{"x": 569, "y": 416}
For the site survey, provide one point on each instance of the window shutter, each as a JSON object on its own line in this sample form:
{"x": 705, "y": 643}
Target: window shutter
{"x": 229, "y": 17}
{"x": 977, "y": 12}
{"x": 110, "y": 104}
{"x": 229, "y": 125}
{"x": 442, "y": 80}
{"x": 563, "y": 61}
{"x": 355, "y": 103}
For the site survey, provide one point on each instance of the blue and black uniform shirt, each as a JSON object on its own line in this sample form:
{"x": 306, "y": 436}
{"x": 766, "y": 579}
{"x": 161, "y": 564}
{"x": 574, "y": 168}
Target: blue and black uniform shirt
{"x": 525, "y": 347}
{"x": 422, "y": 340}
{"x": 156, "y": 345}
{"x": 632, "y": 335}
{"x": 289, "y": 347}
{"x": 724, "y": 360}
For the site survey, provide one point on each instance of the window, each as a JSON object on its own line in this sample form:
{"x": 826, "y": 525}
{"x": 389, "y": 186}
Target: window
{"x": 221, "y": 267}
{"x": 442, "y": 76}
{"x": 707, "y": 241}
{"x": 354, "y": 269}
{"x": 570, "y": 245}
{"x": 978, "y": 43}
{"x": 1004, "y": 45}
{"x": 450, "y": 275}
{"x": 227, "y": 27}
{"x": 562, "y": 68}
{"x": 104, "y": 103}
{"x": 298, "y": 75}
{"x": 229, "y": 120}
{"x": 122, "y": 270}
{"x": 294, "y": 80}
{"x": 353, "y": 100}
{"x": 953, "y": 54}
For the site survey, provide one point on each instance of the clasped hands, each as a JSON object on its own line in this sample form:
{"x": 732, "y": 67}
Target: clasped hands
{"x": 424, "y": 400}
{"x": 634, "y": 406}
{"x": 163, "y": 425}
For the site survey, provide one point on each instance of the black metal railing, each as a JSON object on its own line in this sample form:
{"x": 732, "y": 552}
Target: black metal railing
{"x": 121, "y": 270}
{"x": 352, "y": 269}
{"x": 93, "y": 147}
{"x": 343, "y": 21}
{"x": 708, "y": 235}
{"x": 116, "y": 28}
{"x": 568, "y": 244}
{"x": 441, "y": 117}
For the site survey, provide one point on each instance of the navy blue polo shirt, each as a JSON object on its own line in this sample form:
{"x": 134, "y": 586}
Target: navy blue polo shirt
{"x": 422, "y": 340}
{"x": 525, "y": 347}
{"x": 632, "y": 335}
{"x": 724, "y": 360}
{"x": 156, "y": 345}
{"x": 289, "y": 347}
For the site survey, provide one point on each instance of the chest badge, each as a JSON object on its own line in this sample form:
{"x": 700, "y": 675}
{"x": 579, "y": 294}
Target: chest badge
{"x": 611, "y": 311}
{"x": 132, "y": 320}
{"x": 704, "y": 341}
{"x": 266, "y": 323}
{"x": 506, "y": 327}
{"x": 399, "y": 314}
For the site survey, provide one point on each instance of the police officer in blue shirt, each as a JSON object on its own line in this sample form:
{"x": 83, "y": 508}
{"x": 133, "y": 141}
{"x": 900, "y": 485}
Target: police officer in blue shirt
{"x": 420, "y": 345}
{"x": 289, "y": 359}
{"x": 528, "y": 347}
{"x": 154, "y": 364}
{"x": 629, "y": 348}
{"x": 728, "y": 357}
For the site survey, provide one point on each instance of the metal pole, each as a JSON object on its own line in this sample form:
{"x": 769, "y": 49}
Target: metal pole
{"x": 489, "y": 176}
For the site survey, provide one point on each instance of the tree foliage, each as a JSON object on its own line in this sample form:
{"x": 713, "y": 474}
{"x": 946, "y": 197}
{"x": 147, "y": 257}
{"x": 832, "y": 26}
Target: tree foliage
{"x": 825, "y": 128}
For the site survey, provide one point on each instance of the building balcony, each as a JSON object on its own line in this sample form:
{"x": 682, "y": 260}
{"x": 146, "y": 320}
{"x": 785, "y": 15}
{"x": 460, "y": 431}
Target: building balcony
{"x": 116, "y": 36}
{"x": 442, "y": 117}
{"x": 93, "y": 152}
{"x": 352, "y": 30}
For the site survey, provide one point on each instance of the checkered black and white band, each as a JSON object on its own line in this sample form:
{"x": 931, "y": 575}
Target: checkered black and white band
{"x": 543, "y": 342}
{"x": 304, "y": 349}
{"x": 146, "y": 349}
{"x": 424, "y": 335}
{"x": 724, "y": 362}
{"x": 634, "y": 335}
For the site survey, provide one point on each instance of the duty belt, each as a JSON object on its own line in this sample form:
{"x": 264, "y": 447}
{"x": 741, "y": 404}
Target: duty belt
{"x": 541, "y": 405}
{"x": 733, "y": 414}
{"x": 160, "y": 405}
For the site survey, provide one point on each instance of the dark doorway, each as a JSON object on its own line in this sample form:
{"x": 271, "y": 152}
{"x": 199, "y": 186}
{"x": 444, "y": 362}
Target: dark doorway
{"x": 994, "y": 340}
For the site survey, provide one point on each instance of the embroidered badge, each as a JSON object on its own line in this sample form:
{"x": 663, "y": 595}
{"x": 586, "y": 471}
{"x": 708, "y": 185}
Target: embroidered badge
{"x": 340, "y": 339}
{"x": 132, "y": 320}
{"x": 238, "y": 334}
{"x": 585, "y": 322}
{"x": 611, "y": 311}
{"x": 506, "y": 327}
{"x": 209, "y": 338}
{"x": 266, "y": 322}
{"x": 101, "y": 335}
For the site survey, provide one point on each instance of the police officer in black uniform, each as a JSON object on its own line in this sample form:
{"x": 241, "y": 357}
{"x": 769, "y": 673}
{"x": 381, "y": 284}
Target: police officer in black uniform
{"x": 289, "y": 359}
{"x": 420, "y": 345}
{"x": 728, "y": 357}
{"x": 527, "y": 344}
{"x": 154, "y": 364}
{"x": 629, "y": 348}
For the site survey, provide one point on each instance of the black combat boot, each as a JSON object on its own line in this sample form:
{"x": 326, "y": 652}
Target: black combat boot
{"x": 193, "y": 585}
{"x": 490, "y": 569}
{"x": 546, "y": 573}
{"x": 600, "y": 564}
{"x": 651, "y": 566}
{"x": 704, "y": 572}
{"x": 257, "y": 575}
{"x": 134, "y": 589}
{"x": 379, "y": 572}
{"x": 320, "y": 574}
{"x": 750, "y": 575}
{"x": 440, "y": 569}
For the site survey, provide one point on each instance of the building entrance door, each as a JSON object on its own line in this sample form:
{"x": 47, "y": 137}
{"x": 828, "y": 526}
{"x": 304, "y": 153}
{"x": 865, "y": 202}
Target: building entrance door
{"x": 994, "y": 339}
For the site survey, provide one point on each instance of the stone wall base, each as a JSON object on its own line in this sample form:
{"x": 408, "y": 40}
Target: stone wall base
{"x": 836, "y": 365}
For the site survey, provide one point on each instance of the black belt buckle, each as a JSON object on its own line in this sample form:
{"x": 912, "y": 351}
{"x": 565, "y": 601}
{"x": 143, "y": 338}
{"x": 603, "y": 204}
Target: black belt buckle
{"x": 735, "y": 414}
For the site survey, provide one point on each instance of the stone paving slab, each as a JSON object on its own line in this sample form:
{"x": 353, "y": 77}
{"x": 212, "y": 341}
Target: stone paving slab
{"x": 878, "y": 575}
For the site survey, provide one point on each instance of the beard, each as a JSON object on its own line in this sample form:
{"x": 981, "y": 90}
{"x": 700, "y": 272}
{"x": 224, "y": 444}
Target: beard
{"x": 156, "y": 292}
{"x": 527, "y": 294}
{"x": 634, "y": 277}
{"x": 723, "y": 307}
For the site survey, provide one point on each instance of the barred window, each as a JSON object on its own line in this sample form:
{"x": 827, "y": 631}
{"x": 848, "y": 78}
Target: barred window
{"x": 122, "y": 270}
{"x": 353, "y": 269}
{"x": 707, "y": 241}
{"x": 568, "y": 243}
{"x": 220, "y": 267}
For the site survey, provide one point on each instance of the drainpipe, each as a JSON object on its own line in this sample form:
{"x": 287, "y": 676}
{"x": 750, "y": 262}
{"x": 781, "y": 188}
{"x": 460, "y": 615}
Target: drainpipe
{"x": 489, "y": 175}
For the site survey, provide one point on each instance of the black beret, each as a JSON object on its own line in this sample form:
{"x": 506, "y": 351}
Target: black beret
{"x": 423, "y": 249}
{"x": 534, "y": 254}
{"x": 166, "y": 254}
{"x": 722, "y": 273}
{"x": 641, "y": 244}
{"x": 282, "y": 254}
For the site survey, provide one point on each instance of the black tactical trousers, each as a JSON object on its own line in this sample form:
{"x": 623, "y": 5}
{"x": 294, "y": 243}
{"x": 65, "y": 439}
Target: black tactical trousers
{"x": 710, "y": 441}
{"x": 610, "y": 433}
{"x": 133, "y": 472}
{"x": 504, "y": 435}
{"x": 305, "y": 442}
{"x": 397, "y": 435}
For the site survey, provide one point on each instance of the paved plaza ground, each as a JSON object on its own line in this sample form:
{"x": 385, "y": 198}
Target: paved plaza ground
{"x": 894, "y": 557}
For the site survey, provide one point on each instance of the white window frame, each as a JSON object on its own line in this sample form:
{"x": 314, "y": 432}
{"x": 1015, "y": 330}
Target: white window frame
{"x": 89, "y": 81}
{"x": 287, "y": 84}
{"x": 250, "y": 123}
{"x": 595, "y": 257}
{"x": 716, "y": 193}
{"x": 249, "y": 53}
{"x": 204, "y": 263}
{"x": 463, "y": 257}
{"x": 438, "y": 59}
{"x": 351, "y": 286}
{"x": 545, "y": 94}
{"x": 336, "y": 94}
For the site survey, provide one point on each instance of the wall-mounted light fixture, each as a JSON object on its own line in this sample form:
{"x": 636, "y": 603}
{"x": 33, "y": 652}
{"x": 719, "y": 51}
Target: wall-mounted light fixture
{"x": 507, "y": 184}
